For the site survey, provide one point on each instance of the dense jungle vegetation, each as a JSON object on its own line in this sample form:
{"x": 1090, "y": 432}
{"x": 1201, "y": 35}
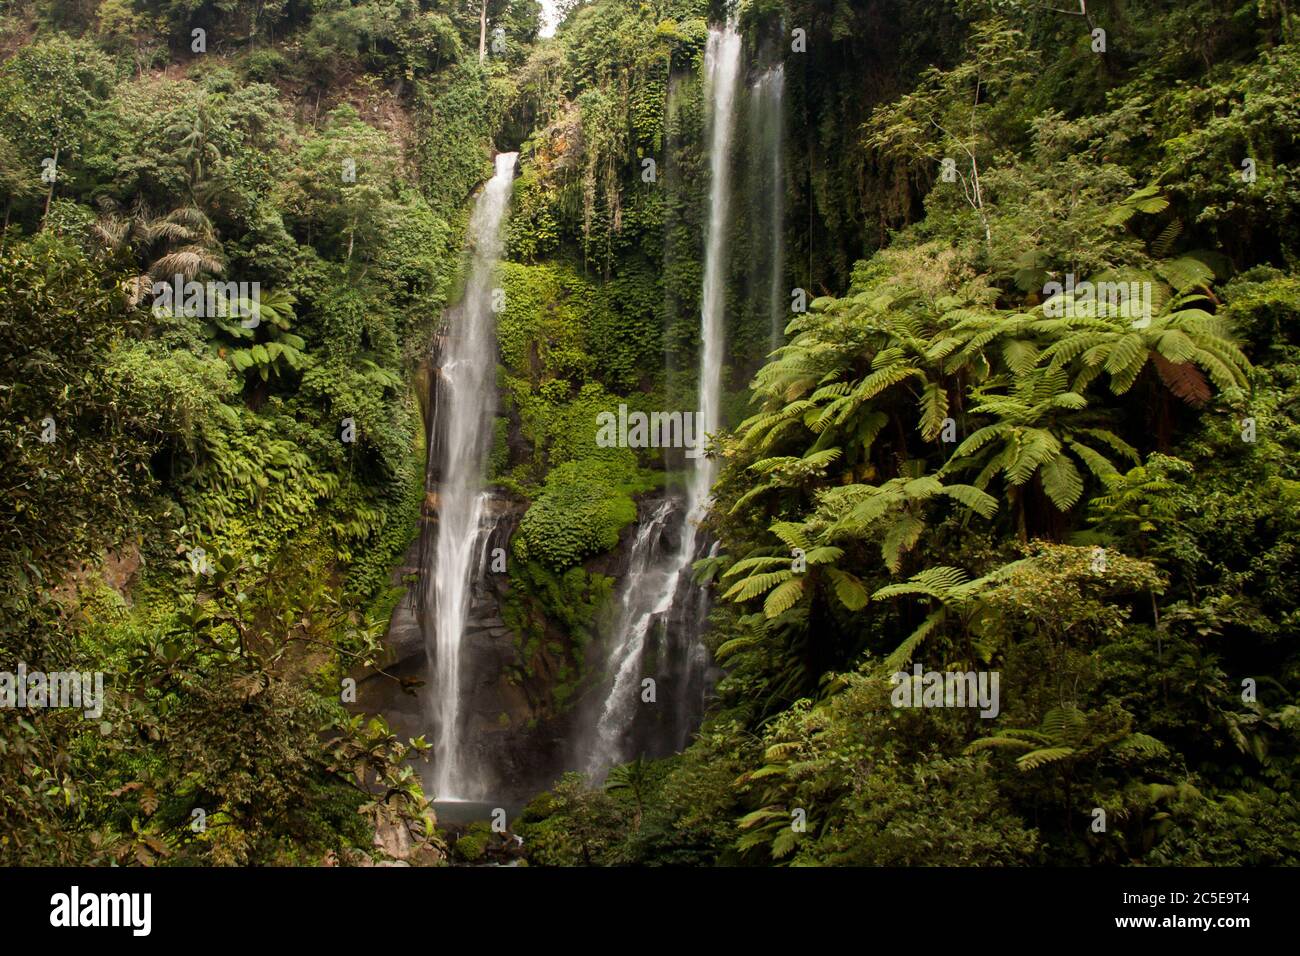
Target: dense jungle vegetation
{"x": 933, "y": 467}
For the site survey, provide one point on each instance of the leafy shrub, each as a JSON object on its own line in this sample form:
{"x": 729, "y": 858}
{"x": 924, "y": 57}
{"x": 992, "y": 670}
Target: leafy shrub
{"x": 581, "y": 511}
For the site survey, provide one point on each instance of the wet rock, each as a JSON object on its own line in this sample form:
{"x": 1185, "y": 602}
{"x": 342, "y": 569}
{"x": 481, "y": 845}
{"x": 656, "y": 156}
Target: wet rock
{"x": 393, "y": 838}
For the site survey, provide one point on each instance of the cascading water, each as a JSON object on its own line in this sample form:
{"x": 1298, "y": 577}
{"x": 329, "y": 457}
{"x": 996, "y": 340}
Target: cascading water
{"x": 768, "y": 119}
{"x": 722, "y": 76}
{"x": 657, "y": 586}
{"x": 458, "y": 452}
{"x": 648, "y": 589}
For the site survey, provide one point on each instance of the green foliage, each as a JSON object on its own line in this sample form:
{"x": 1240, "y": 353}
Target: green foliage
{"x": 455, "y": 136}
{"x": 472, "y": 845}
{"x": 72, "y": 452}
{"x": 869, "y": 799}
{"x": 553, "y": 615}
{"x": 48, "y": 92}
{"x": 582, "y": 509}
{"x": 175, "y": 432}
{"x": 558, "y": 324}
{"x": 915, "y": 456}
{"x": 571, "y": 825}
{"x": 949, "y": 359}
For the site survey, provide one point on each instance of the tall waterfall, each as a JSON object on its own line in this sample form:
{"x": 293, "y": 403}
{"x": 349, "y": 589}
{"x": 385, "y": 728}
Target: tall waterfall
{"x": 768, "y": 122}
{"x": 722, "y": 76}
{"x": 458, "y": 453}
{"x": 657, "y": 589}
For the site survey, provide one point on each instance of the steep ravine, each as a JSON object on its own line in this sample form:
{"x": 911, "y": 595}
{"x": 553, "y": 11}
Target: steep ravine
{"x": 508, "y": 696}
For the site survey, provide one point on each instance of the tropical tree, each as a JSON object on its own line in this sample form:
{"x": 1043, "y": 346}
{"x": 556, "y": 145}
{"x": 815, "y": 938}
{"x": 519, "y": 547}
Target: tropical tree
{"x": 1184, "y": 344}
{"x": 278, "y": 352}
{"x": 959, "y": 608}
{"x": 181, "y": 242}
{"x": 1038, "y": 433}
{"x": 788, "y": 579}
{"x": 1067, "y": 735}
{"x": 894, "y": 513}
{"x": 1069, "y": 740}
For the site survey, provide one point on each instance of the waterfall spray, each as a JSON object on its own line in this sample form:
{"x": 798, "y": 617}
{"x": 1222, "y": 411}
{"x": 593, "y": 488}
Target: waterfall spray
{"x": 458, "y": 455}
{"x": 656, "y": 586}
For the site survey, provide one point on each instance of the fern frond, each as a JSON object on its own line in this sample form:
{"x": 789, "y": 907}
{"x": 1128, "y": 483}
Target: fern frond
{"x": 1040, "y": 758}
{"x": 791, "y": 533}
{"x": 756, "y": 584}
{"x": 783, "y": 598}
{"x": 751, "y": 564}
{"x": 982, "y": 503}
{"x": 848, "y": 588}
{"x": 1062, "y": 482}
{"x": 902, "y": 655}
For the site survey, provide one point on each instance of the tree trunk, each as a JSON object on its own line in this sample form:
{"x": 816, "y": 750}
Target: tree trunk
{"x": 482, "y": 31}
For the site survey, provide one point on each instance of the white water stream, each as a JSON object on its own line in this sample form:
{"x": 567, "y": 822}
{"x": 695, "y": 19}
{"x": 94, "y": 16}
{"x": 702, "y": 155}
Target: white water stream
{"x": 458, "y": 457}
{"x": 655, "y": 581}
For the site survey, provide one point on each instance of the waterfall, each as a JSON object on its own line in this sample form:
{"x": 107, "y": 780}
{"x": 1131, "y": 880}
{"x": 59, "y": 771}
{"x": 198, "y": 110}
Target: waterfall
{"x": 722, "y": 76}
{"x": 647, "y": 592}
{"x": 768, "y": 121}
{"x": 458, "y": 453}
{"x": 657, "y": 589}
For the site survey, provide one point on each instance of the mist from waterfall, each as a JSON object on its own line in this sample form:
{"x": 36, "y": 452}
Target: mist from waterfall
{"x": 458, "y": 453}
{"x": 657, "y": 591}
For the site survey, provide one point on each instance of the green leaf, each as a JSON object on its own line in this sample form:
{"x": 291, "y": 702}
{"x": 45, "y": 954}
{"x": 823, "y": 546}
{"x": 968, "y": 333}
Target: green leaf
{"x": 1039, "y": 758}
{"x": 783, "y": 598}
{"x": 1062, "y": 482}
{"x": 756, "y": 584}
{"x": 852, "y": 593}
{"x": 902, "y": 655}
